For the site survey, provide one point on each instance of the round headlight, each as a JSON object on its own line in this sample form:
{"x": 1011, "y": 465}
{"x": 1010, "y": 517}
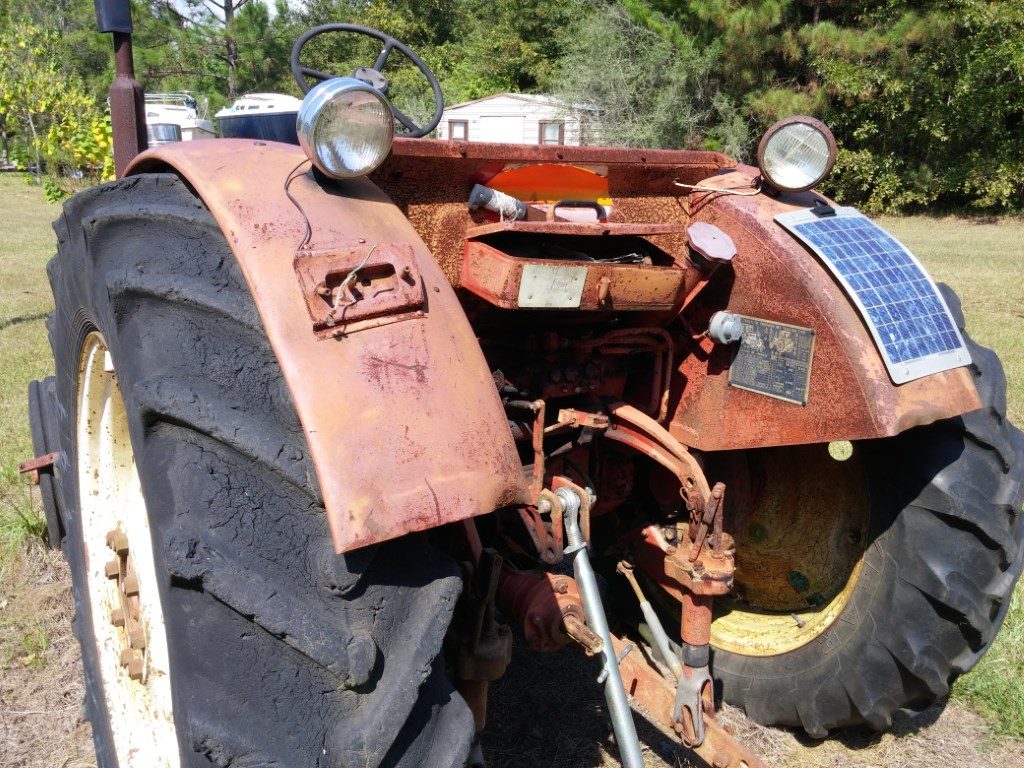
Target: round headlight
{"x": 345, "y": 127}
{"x": 796, "y": 153}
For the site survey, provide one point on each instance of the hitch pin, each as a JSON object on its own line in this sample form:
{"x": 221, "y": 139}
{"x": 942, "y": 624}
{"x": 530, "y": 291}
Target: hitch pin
{"x": 614, "y": 690}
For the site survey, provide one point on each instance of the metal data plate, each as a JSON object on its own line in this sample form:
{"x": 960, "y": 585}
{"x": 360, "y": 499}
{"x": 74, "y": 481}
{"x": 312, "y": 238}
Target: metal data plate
{"x": 773, "y": 359}
{"x": 901, "y": 306}
{"x": 551, "y": 287}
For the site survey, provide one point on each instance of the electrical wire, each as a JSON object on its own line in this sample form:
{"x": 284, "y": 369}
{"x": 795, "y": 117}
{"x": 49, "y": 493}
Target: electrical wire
{"x": 305, "y": 219}
{"x": 722, "y": 190}
{"x": 340, "y": 291}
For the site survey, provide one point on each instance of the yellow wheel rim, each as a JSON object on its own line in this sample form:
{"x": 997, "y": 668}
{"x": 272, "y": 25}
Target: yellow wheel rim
{"x": 801, "y": 529}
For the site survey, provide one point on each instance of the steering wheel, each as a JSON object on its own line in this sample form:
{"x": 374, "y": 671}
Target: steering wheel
{"x": 372, "y": 76}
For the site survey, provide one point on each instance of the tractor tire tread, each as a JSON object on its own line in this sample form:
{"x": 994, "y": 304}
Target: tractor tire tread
{"x": 282, "y": 652}
{"x": 946, "y": 565}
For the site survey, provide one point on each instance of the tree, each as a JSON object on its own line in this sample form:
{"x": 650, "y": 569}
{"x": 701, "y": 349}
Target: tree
{"x": 61, "y": 125}
{"x": 217, "y": 48}
{"x": 649, "y": 82}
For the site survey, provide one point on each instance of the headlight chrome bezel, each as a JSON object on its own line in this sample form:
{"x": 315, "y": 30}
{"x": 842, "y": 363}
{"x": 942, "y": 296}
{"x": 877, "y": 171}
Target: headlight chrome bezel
{"x": 314, "y": 105}
{"x": 779, "y": 126}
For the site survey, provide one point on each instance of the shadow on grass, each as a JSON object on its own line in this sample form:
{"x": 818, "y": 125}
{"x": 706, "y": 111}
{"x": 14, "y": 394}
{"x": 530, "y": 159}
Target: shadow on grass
{"x": 23, "y": 319}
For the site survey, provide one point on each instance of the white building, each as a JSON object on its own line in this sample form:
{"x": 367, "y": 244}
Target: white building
{"x": 515, "y": 118}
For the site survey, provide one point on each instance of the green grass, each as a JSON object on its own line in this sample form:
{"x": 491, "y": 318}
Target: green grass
{"x": 26, "y": 245}
{"x": 984, "y": 262}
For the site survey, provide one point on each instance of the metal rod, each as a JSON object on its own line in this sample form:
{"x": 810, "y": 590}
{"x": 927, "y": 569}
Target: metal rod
{"x": 660, "y": 637}
{"x": 614, "y": 691}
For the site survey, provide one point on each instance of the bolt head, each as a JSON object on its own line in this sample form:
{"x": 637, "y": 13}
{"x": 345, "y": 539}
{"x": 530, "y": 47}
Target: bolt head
{"x": 137, "y": 639}
{"x": 131, "y": 585}
{"x": 118, "y": 542}
{"x": 136, "y": 667}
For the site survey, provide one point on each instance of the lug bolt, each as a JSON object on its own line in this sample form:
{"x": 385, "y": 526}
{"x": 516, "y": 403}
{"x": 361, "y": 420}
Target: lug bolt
{"x": 134, "y": 664}
{"x": 131, "y": 585}
{"x": 137, "y": 639}
{"x": 118, "y": 542}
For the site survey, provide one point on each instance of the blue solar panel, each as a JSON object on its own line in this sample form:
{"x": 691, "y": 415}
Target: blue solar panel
{"x": 903, "y": 309}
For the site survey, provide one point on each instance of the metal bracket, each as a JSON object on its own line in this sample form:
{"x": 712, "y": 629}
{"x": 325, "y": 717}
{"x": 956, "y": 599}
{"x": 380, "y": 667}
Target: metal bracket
{"x": 360, "y": 286}
{"x": 43, "y": 463}
{"x": 693, "y": 689}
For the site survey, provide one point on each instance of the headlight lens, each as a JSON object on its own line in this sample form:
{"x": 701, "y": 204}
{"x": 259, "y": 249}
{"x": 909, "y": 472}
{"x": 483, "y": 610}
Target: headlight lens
{"x": 796, "y": 153}
{"x": 345, "y": 127}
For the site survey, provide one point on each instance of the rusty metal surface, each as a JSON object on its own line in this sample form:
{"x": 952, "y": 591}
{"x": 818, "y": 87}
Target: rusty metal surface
{"x": 496, "y": 277}
{"x": 359, "y": 285}
{"x": 655, "y": 698}
{"x": 44, "y": 463}
{"x": 800, "y": 521}
{"x": 680, "y": 160}
{"x": 431, "y": 180}
{"x": 573, "y": 228}
{"x": 403, "y": 420}
{"x": 128, "y": 615}
{"x": 775, "y": 278}
{"x": 127, "y": 106}
{"x": 547, "y": 607}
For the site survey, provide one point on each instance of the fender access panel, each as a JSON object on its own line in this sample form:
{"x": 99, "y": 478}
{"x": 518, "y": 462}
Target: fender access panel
{"x": 401, "y": 415}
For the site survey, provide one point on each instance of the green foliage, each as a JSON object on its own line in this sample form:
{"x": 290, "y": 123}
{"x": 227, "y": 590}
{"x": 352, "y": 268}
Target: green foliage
{"x": 650, "y": 87}
{"x": 61, "y": 125}
{"x": 926, "y": 99}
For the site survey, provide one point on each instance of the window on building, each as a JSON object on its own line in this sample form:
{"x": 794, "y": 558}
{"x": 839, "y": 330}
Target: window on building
{"x": 458, "y": 130}
{"x": 552, "y": 132}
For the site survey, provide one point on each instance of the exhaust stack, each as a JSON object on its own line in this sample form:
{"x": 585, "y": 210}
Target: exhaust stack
{"x": 127, "y": 98}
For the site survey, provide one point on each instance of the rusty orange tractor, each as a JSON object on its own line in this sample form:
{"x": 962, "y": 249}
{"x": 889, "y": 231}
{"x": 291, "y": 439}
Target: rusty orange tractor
{"x": 332, "y": 422}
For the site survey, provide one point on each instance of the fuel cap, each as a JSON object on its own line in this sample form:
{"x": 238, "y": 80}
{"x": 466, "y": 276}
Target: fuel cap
{"x": 711, "y": 242}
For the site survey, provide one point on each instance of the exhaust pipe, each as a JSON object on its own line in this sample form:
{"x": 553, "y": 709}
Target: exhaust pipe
{"x": 127, "y": 98}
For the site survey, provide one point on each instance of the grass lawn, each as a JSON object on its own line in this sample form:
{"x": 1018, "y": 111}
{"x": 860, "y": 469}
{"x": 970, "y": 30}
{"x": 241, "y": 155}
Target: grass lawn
{"x": 985, "y": 265}
{"x": 984, "y": 262}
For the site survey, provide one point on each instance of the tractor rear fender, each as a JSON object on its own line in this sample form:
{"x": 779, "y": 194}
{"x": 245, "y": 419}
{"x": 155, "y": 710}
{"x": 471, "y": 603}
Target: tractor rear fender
{"x": 850, "y": 396}
{"x": 400, "y": 412}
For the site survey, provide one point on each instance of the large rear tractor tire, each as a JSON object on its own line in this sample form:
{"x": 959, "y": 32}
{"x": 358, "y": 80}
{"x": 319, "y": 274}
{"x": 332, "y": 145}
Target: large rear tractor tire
{"x": 217, "y": 625}
{"x": 925, "y": 595}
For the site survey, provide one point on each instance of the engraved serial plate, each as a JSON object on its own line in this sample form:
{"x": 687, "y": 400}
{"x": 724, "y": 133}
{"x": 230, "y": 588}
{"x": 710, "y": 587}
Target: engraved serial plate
{"x": 552, "y": 287}
{"x": 773, "y": 359}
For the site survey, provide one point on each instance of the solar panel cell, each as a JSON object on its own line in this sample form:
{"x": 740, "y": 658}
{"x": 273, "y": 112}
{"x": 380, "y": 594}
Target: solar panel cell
{"x": 904, "y": 311}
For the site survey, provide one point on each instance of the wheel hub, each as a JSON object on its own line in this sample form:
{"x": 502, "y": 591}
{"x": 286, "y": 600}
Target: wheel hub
{"x": 121, "y": 586}
{"x": 800, "y": 536}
